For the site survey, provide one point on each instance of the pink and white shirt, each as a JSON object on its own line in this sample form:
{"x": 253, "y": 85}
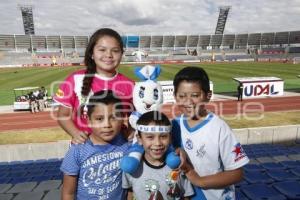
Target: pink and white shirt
{"x": 69, "y": 93}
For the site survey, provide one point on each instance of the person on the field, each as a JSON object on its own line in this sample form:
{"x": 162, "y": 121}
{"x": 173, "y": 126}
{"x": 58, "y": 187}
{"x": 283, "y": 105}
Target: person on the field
{"x": 240, "y": 90}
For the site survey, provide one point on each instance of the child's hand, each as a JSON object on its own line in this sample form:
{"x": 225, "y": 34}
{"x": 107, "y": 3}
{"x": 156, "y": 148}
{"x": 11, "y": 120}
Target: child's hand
{"x": 186, "y": 167}
{"x": 80, "y": 138}
{"x": 183, "y": 156}
{"x": 185, "y": 164}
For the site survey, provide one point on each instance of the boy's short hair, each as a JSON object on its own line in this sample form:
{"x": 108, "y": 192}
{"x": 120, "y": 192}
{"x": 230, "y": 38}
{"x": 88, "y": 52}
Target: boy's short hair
{"x": 192, "y": 74}
{"x": 103, "y": 97}
{"x": 156, "y": 117}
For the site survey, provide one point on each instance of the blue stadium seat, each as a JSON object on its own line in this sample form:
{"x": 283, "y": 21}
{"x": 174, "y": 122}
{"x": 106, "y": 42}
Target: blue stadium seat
{"x": 273, "y": 166}
{"x": 257, "y": 177}
{"x": 42, "y": 178}
{"x": 266, "y": 159}
{"x": 5, "y": 180}
{"x": 291, "y": 189}
{"x": 290, "y": 164}
{"x": 4, "y": 173}
{"x": 36, "y": 172}
{"x": 21, "y": 179}
{"x": 243, "y": 182}
{"x": 261, "y": 192}
{"x": 281, "y": 175}
{"x": 280, "y": 158}
{"x": 296, "y": 171}
{"x": 253, "y": 167}
{"x": 240, "y": 196}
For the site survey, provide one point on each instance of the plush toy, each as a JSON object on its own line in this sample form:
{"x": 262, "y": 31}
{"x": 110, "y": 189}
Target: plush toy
{"x": 147, "y": 96}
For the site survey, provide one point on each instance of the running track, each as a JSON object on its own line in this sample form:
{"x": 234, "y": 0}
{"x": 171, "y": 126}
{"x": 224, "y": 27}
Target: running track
{"x": 27, "y": 120}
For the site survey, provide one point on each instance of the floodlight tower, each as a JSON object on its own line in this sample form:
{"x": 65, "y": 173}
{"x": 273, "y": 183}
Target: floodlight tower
{"x": 223, "y": 13}
{"x": 27, "y": 16}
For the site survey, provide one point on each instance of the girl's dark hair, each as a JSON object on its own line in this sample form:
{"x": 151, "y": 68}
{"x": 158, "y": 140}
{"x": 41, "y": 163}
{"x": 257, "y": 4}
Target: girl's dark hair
{"x": 154, "y": 116}
{"x": 89, "y": 62}
{"x": 192, "y": 74}
{"x": 104, "y": 97}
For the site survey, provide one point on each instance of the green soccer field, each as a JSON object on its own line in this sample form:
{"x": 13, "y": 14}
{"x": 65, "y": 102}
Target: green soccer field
{"x": 220, "y": 73}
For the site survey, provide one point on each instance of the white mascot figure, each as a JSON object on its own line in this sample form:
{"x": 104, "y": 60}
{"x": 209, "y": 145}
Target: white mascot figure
{"x": 147, "y": 96}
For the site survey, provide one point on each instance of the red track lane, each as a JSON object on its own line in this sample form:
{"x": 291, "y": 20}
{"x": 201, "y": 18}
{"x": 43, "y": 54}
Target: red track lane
{"x": 26, "y": 120}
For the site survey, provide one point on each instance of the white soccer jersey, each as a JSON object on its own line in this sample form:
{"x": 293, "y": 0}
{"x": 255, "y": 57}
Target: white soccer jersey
{"x": 212, "y": 147}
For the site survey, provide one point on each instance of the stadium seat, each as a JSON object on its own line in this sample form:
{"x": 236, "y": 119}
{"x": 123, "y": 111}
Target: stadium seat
{"x": 291, "y": 189}
{"x": 296, "y": 171}
{"x": 281, "y": 175}
{"x": 266, "y": 159}
{"x": 280, "y": 158}
{"x": 48, "y": 185}
{"x": 52, "y": 194}
{"x": 253, "y": 161}
{"x": 21, "y": 179}
{"x": 257, "y": 177}
{"x": 29, "y": 196}
{"x": 5, "y": 187}
{"x": 6, "y": 196}
{"x": 243, "y": 182}
{"x": 261, "y": 192}
{"x": 4, "y": 173}
{"x": 273, "y": 166}
{"x": 5, "y": 180}
{"x": 22, "y": 187}
{"x": 253, "y": 167}
{"x": 42, "y": 178}
{"x": 290, "y": 164}
{"x": 240, "y": 196}
{"x": 294, "y": 156}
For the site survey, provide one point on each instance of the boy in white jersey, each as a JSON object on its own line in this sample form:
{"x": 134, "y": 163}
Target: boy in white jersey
{"x": 215, "y": 155}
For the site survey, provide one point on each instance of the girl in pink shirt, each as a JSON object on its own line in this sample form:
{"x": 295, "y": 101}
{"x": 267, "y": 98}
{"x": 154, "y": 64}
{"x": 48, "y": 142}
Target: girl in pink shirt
{"x": 102, "y": 58}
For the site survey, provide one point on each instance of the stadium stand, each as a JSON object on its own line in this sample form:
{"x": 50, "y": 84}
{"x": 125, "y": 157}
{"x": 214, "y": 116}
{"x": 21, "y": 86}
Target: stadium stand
{"x": 294, "y": 37}
{"x": 145, "y": 42}
{"x": 192, "y": 41}
{"x": 53, "y": 43}
{"x": 228, "y": 41}
{"x": 180, "y": 42}
{"x": 204, "y": 41}
{"x": 281, "y": 38}
{"x": 216, "y": 41}
{"x": 168, "y": 42}
{"x": 7, "y": 42}
{"x": 156, "y": 42}
{"x": 27, "y": 50}
{"x": 241, "y": 41}
{"x": 254, "y": 39}
{"x": 23, "y": 43}
{"x": 39, "y": 43}
{"x": 267, "y": 39}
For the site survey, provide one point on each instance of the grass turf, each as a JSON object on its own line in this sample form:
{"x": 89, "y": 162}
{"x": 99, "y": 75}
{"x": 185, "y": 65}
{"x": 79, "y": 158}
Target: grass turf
{"x": 220, "y": 73}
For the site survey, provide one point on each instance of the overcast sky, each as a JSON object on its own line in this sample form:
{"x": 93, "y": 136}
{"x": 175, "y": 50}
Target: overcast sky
{"x": 145, "y": 17}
